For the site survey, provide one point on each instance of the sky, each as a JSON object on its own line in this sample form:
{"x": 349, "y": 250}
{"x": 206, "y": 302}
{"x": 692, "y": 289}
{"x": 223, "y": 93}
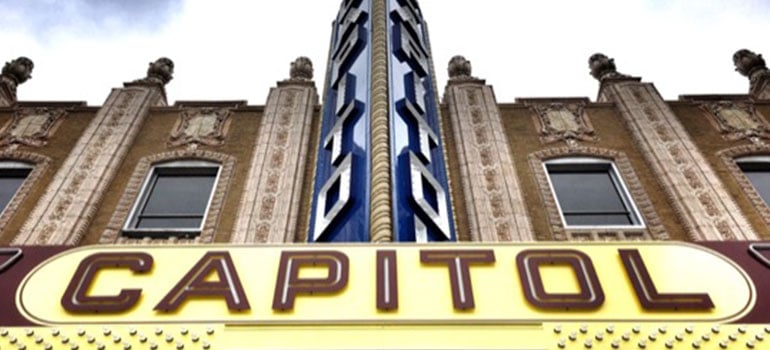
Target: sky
{"x": 239, "y": 49}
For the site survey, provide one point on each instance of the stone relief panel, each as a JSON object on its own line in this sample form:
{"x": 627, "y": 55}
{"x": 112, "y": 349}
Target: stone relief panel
{"x": 729, "y": 157}
{"x": 31, "y": 126}
{"x": 738, "y": 120}
{"x": 112, "y": 233}
{"x": 200, "y": 126}
{"x": 566, "y": 122}
{"x": 40, "y": 165}
{"x": 653, "y": 230}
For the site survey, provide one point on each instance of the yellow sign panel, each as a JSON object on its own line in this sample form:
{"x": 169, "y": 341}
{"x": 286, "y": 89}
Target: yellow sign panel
{"x": 394, "y": 284}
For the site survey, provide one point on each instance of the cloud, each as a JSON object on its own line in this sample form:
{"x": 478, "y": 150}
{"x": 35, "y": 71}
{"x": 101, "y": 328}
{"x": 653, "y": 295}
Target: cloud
{"x": 48, "y": 19}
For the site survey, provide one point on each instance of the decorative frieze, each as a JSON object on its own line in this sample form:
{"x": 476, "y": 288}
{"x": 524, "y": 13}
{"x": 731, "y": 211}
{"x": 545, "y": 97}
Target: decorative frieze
{"x": 71, "y": 199}
{"x": 31, "y": 126}
{"x": 703, "y": 204}
{"x": 270, "y": 204}
{"x": 112, "y": 234}
{"x": 653, "y": 228}
{"x": 737, "y": 120}
{"x": 200, "y": 126}
{"x": 496, "y": 208}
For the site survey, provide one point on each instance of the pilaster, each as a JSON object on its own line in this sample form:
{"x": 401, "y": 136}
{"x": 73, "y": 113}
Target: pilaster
{"x": 68, "y": 205}
{"x": 271, "y": 202}
{"x": 496, "y": 208}
{"x": 704, "y": 206}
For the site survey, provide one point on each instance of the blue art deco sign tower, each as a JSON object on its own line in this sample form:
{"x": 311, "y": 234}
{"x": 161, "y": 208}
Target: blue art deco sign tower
{"x": 380, "y": 173}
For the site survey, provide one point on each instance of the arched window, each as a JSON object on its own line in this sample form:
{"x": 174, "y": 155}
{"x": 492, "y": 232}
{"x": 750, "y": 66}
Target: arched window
{"x": 757, "y": 170}
{"x": 12, "y": 175}
{"x": 174, "y": 200}
{"x": 589, "y": 192}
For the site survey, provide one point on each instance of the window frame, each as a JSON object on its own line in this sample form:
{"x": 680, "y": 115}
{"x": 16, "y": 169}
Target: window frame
{"x": 15, "y": 166}
{"x": 130, "y": 230}
{"x": 589, "y": 163}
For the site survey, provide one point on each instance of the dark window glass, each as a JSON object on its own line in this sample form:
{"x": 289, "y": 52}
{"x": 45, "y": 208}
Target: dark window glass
{"x": 175, "y": 198}
{"x": 589, "y": 195}
{"x": 759, "y": 175}
{"x": 10, "y": 181}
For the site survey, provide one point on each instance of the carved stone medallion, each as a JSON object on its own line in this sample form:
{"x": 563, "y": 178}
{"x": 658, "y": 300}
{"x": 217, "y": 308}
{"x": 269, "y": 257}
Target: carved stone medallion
{"x": 30, "y": 126}
{"x": 563, "y": 122}
{"x": 201, "y": 126}
{"x": 738, "y": 120}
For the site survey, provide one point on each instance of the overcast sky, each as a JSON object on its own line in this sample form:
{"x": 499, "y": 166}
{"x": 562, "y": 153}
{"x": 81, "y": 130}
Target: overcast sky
{"x": 238, "y": 49}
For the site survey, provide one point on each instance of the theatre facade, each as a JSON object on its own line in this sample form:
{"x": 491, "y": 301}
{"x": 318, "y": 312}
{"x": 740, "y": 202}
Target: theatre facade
{"x": 372, "y": 208}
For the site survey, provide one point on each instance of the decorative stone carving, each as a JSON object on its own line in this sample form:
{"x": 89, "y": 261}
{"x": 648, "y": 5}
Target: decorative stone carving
{"x": 14, "y": 73}
{"x": 67, "y": 207}
{"x": 563, "y": 122}
{"x": 752, "y": 66}
{"x": 200, "y": 126}
{"x": 653, "y": 229}
{"x": 30, "y": 126}
{"x": 738, "y": 120}
{"x": 459, "y": 68}
{"x": 495, "y": 207}
{"x": 159, "y": 72}
{"x": 40, "y": 165}
{"x": 112, "y": 233}
{"x": 729, "y": 157}
{"x": 270, "y": 205}
{"x": 696, "y": 192}
{"x": 301, "y": 69}
{"x": 603, "y": 67}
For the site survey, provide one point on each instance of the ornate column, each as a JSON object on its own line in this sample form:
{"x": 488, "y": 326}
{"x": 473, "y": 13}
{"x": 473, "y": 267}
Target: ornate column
{"x": 67, "y": 207}
{"x": 701, "y": 200}
{"x": 14, "y": 73}
{"x": 270, "y": 204}
{"x": 496, "y": 209}
{"x": 753, "y": 67}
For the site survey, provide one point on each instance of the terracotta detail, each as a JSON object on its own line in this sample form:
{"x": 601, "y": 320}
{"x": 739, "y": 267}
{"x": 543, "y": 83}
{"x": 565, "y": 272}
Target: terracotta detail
{"x": 131, "y": 194}
{"x": 653, "y": 225}
{"x": 64, "y": 212}
{"x": 40, "y": 164}
{"x": 737, "y": 120}
{"x": 496, "y": 208}
{"x": 380, "y": 220}
{"x": 691, "y": 184}
{"x": 270, "y": 205}
{"x": 31, "y": 126}
{"x": 562, "y": 122}
{"x": 729, "y": 157}
{"x": 200, "y": 126}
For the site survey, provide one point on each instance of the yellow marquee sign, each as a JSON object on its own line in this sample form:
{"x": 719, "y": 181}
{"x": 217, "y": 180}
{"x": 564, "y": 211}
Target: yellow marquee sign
{"x": 387, "y": 284}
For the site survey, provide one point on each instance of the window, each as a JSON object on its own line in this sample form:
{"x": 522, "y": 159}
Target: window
{"x": 590, "y": 193}
{"x": 757, "y": 169}
{"x": 12, "y": 175}
{"x": 174, "y": 200}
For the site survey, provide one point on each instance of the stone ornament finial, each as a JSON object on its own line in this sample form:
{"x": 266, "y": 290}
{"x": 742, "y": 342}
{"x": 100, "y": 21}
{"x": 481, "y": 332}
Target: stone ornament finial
{"x": 14, "y": 73}
{"x": 301, "y": 69}
{"x": 752, "y": 66}
{"x": 159, "y": 72}
{"x": 459, "y": 68}
{"x": 603, "y": 67}
{"x": 18, "y": 70}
